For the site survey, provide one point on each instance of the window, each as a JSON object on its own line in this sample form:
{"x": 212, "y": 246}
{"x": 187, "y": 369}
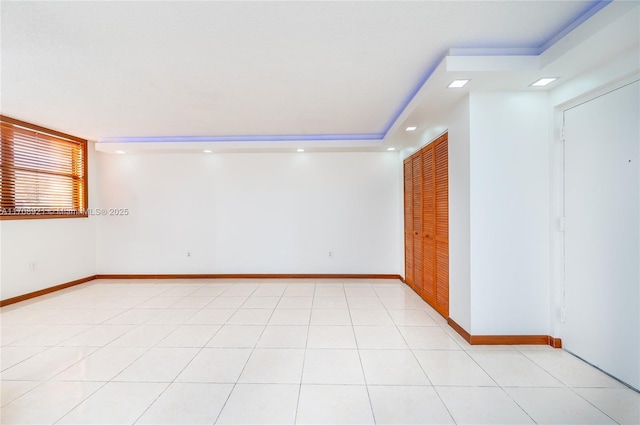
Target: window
{"x": 43, "y": 173}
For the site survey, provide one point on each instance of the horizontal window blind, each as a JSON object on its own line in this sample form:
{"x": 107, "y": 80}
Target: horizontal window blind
{"x": 43, "y": 173}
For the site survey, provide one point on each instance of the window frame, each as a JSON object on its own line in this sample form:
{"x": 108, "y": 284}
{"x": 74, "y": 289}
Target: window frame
{"x": 6, "y": 155}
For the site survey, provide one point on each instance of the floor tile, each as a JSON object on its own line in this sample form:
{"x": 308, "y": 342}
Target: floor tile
{"x": 11, "y": 390}
{"x": 359, "y": 291}
{"x": 620, "y": 404}
{"x": 371, "y": 318}
{"x": 47, "y": 403}
{"x": 216, "y": 365}
{"x": 329, "y": 291}
{"x": 190, "y": 336}
{"x": 158, "y": 365}
{"x": 512, "y": 369}
{"x": 273, "y": 366}
{"x": 97, "y": 336}
{"x": 193, "y": 302}
{"x": 284, "y": 337}
{"x": 144, "y": 336}
{"x": 176, "y": 316}
{"x": 181, "y": 290}
{"x": 159, "y": 302}
{"x": 328, "y": 317}
{"x": 250, "y": 316}
{"x": 436, "y": 317}
{"x": 408, "y": 405}
{"x": 210, "y": 290}
{"x": 334, "y": 404}
{"x": 102, "y": 365}
{"x": 295, "y": 302}
{"x": 10, "y": 356}
{"x": 96, "y": 316}
{"x": 187, "y": 403}
{"x": 557, "y": 406}
{"x": 121, "y": 302}
{"x": 403, "y": 303}
{"x": 46, "y": 364}
{"x": 290, "y": 317}
{"x": 392, "y": 367}
{"x": 211, "y": 316}
{"x": 135, "y": 316}
{"x": 299, "y": 290}
{"x": 390, "y": 291}
{"x": 452, "y": 368}
{"x": 115, "y": 403}
{"x": 427, "y": 338}
{"x": 261, "y": 302}
{"x": 330, "y": 302}
{"x": 331, "y": 337}
{"x": 533, "y": 347}
{"x": 240, "y": 290}
{"x": 236, "y": 336}
{"x": 227, "y": 302}
{"x": 571, "y": 370}
{"x": 331, "y": 366}
{"x": 10, "y": 333}
{"x": 270, "y": 290}
{"x": 379, "y": 337}
{"x": 359, "y": 303}
{"x": 482, "y": 405}
{"x": 411, "y": 318}
{"x": 467, "y": 347}
{"x": 52, "y": 336}
{"x": 270, "y": 404}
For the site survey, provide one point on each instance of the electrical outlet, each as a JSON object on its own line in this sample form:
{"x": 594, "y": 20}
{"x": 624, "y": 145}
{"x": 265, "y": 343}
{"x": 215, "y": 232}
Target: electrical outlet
{"x": 563, "y": 315}
{"x": 330, "y": 254}
{"x": 33, "y": 266}
{"x": 188, "y": 253}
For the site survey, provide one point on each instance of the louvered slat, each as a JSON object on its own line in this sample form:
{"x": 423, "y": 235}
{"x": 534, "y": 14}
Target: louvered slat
{"x": 416, "y": 162}
{"x": 442, "y": 278}
{"x": 428, "y": 223}
{"x": 442, "y": 189}
{"x": 408, "y": 221}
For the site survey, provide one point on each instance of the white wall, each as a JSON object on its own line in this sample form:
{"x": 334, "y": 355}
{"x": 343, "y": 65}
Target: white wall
{"x": 250, "y": 213}
{"x": 62, "y": 249}
{"x": 510, "y": 213}
{"x": 459, "y": 215}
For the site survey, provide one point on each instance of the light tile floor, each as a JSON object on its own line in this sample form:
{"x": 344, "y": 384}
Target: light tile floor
{"x": 268, "y": 351}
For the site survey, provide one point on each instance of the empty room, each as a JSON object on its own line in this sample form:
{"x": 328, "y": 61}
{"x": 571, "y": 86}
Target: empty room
{"x": 320, "y": 212}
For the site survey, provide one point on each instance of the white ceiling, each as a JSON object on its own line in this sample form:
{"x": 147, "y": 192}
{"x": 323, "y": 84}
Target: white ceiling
{"x": 253, "y": 70}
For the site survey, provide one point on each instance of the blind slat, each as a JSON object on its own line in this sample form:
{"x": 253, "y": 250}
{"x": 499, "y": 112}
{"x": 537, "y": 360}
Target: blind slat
{"x": 40, "y": 169}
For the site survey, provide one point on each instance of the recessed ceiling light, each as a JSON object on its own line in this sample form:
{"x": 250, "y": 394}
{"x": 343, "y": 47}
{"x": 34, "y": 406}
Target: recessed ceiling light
{"x": 120, "y": 152}
{"x": 544, "y": 81}
{"x": 412, "y": 128}
{"x": 391, "y": 149}
{"x": 456, "y": 84}
{"x": 300, "y": 150}
{"x": 207, "y": 151}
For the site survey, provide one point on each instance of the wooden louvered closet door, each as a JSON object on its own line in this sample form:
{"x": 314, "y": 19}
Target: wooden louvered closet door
{"x": 417, "y": 222}
{"x": 408, "y": 222}
{"x": 426, "y": 208}
{"x": 442, "y": 225}
{"x": 428, "y": 225}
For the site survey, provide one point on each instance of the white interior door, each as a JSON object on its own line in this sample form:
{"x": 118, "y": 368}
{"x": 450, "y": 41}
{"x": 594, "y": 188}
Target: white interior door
{"x": 602, "y": 236}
